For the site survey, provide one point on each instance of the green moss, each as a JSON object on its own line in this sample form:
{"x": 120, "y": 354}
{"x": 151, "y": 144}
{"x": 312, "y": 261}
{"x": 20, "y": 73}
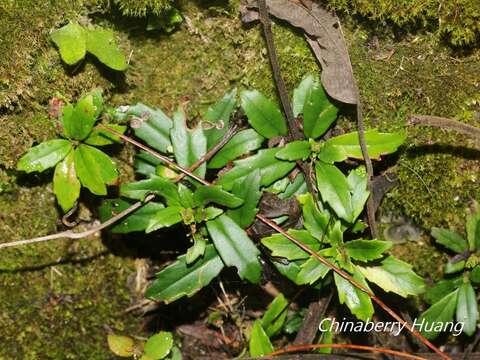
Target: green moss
{"x": 458, "y": 21}
{"x": 142, "y": 7}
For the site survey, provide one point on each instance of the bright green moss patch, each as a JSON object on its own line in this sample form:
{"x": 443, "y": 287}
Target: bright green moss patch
{"x": 458, "y": 21}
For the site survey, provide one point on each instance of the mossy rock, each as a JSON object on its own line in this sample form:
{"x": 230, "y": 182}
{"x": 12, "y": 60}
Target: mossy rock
{"x": 194, "y": 66}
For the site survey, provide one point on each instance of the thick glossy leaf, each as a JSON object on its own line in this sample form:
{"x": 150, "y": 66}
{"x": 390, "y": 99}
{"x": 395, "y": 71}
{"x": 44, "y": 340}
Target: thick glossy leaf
{"x": 150, "y": 125}
{"x": 180, "y": 279}
{"x": 71, "y": 41}
{"x": 82, "y": 119}
{"x": 311, "y": 271}
{"x": 215, "y": 194}
{"x": 159, "y": 345}
{"x": 122, "y": 346}
{"x": 334, "y": 189}
{"x": 197, "y": 249}
{"x": 443, "y": 287}
{"x": 101, "y": 137}
{"x": 94, "y": 168}
{"x": 366, "y": 250}
{"x": 101, "y": 43}
{"x": 259, "y": 344}
{"x": 346, "y": 146}
{"x": 164, "y": 218}
{"x": 66, "y": 185}
{"x": 475, "y": 275}
{"x": 318, "y": 112}
{"x": 146, "y": 164}
{"x": 280, "y": 246}
{"x": 263, "y": 115}
{"x": 241, "y": 144}
{"x": 235, "y": 247}
{"x": 300, "y": 93}
{"x": 136, "y": 221}
{"x": 274, "y": 318}
{"x": 44, "y": 155}
{"x": 289, "y": 269}
{"x": 188, "y": 145}
{"x": 439, "y": 313}
{"x": 218, "y": 117}
{"x": 357, "y": 182}
{"x": 467, "y": 308}
{"x": 271, "y": 168}
{"x": 297, "y": 187}
{"x": 314, "y": 220}
{"x": 206, "y": 214}
{"x": 473, "y": 229}
{"x": 295, "y": 150}
{"x": 455, "y": 266}
{"x": 249, "y": 190}
{"x": 356, "y": 300}
{"x": 396, "y": 276}
{"x": 156, "y": 185}
{"x": 450, "y": 239}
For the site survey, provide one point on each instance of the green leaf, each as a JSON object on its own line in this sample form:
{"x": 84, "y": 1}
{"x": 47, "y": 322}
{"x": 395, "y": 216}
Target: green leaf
{"x": 181, "y": 279}
{"x": 262, "y": 114}
{"x": 259, "y": 344}
{"x": 475, "y": 274}
{"x": 155, "y": 185}
{"x": 346, "y": 146}
{"x": 218, "y": 115}
{"x": 101, "y": 137}
{"x": 366, "y": 250}
{"x": 440, "y": 312}
{"x": 66, "y": 185}
{"x": 450, "y": 239}
{"x": 44, "y": 155}
{"x": 311, "y": 271}
{"x": 78, "y": 122}
{"x": 159, "y": 345}
{"x": 396, "y": 276}
{"x": 452, "y": 267}
{"x": 136, "y": 221}
{"x": 473, "y": 229}
{"x": 293, "y": 323}
{"x": 241, "y": 144}
{"x": 441, "y": 288}
{"x": 206, "y": 194}
{"x": 71, "y": 41}
{"x": 122, "y": 346}
{"x": 274, "y": 318}
{"x": 101, "y": 43}
{"x": 188, "y": 145}
{"x": 271, "y": 169}
{"x": 164, "y": 218}
{"x": 205, "y": 214}
{"x": 467, "y": 308}
{"x": 334, "y": 189}
{"x": 297, "y": 187}
{"x": 356, "y": 300}
{"x": 295, "y": 150}
{"x": 318, "y": 112}
{"x": 94, "y": 168}
{"x": 300, "y": 93}
{"x": 235, "y": 247}
{"x": 280, "y": 246}
{"x": 357, "y": 182}
{"x": 197, "y": 250}
{"x": 150, "y": 125}
{"x": 314, "y": 221}
{"x": 249, "y": 190}
{"x": 289, "y": 269}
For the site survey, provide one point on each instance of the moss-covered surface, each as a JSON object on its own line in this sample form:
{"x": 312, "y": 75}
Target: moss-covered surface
{"x": 63, "y": 310}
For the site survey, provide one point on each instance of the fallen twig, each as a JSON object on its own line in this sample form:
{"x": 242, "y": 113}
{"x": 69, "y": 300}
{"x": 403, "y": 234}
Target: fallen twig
{"x": 445, "y": 123}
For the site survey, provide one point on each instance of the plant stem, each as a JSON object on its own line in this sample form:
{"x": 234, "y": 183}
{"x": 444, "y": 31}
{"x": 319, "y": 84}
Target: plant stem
{"x": 436, "y": 121}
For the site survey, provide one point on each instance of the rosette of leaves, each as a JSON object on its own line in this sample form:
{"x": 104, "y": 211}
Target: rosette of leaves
{"x": 244, "y": 169}
{"x": 77, "y": 160}
{"x": 74, "y": 41}
{"x": 454, "y": 297}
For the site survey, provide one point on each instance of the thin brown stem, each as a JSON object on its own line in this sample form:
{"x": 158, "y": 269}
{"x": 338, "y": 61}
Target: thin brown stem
{"x": 445, "y": 123}
{"x": 308, "y": 347}
{"x": 368, "y": 164}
